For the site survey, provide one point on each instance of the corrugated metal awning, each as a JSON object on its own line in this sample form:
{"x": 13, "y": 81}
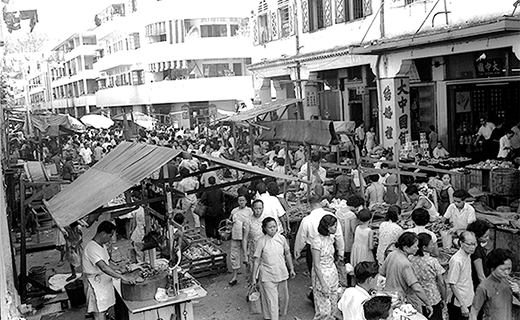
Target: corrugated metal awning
{"x": 119, "y": 170}
{"x": 247, "y": 168}
{"x": 262, "y": 109}
{"x": 315, "y": 132}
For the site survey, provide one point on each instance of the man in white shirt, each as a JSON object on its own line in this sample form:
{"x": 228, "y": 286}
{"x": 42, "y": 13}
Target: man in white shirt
{"x": 318, "y": 174}
{"x": 505, "y": 144}
{"x": 351, "y": 302}
{"x": 484, "y": 133}
{"x": 460, "y": 213}
{"x": 272, "y": 207}
{"x": 98, "y": 274}
{"x": 459, "y": 277}
{"x": 309, "y": 230}
{"x": 440, "y": 151}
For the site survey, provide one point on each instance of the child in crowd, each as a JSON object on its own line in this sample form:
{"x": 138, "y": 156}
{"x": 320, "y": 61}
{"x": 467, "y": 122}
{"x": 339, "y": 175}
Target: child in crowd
{"x": 378, "y": 308}
{"x": 238, "y": 216}
{"x": 445, "y": 194}
{"x": 375, "y": 192}
{"x": 421, "y": 217}
{"x": 351, "y": 302}
{"x": 363, "y": 239}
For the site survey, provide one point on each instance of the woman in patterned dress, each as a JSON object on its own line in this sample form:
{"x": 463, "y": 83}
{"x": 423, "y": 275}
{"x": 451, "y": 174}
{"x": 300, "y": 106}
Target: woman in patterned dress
{"x": 389, "y": 232}
{"x": 252, "y": 229}
{"x": 324, "y": 273}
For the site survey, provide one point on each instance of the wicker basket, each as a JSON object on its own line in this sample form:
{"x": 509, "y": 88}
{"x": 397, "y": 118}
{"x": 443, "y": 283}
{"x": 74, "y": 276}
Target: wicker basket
{"x": 224, "y": 229}
{"x": 504, "y": 182}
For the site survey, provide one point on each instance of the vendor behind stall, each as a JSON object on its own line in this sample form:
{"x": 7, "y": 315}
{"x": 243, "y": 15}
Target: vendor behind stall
{"x": 460, "y": 213}
{"x": 98, "y": 273}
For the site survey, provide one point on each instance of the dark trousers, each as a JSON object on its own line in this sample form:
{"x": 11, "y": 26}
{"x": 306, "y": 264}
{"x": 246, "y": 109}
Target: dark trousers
{"x": 437, "y": 312}
{"x": 454, "y": 312}
{"x": 308, "y": 257}
{"x": 212, "y": 226}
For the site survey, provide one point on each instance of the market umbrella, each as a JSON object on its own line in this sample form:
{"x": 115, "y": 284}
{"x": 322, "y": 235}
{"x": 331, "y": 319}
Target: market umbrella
{"x": 97, "y": 121}
{"x": 75, "y": 124}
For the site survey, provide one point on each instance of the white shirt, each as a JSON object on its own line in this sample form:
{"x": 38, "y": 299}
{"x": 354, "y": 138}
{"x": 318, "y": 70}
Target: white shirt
{"x": 459, "y": 274}
{"x": 272, "y": 208}
{"x": 440, "y": 153}
{"x": 351, "y": 303}
{"x": 486, "y": 130}
{"x": 309, "y": 230}
{"x": 422, "y": 229}
{"x": 92, "y": 254}
{"x": 460, "y": 218}
{"x": 505, "y": 144}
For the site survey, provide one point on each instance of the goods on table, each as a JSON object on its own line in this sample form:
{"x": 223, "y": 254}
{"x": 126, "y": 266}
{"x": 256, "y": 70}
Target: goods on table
{"x": 298, "y": 210}
{"x": 148, "y": 280}
{"x": 203, "y": 259}
{"x": 491, "y": 164}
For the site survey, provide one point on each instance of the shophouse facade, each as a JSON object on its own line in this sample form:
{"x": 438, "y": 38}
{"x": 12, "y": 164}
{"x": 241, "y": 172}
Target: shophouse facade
{"x": 399, "y": 66}
{"x": 181, "y": 64}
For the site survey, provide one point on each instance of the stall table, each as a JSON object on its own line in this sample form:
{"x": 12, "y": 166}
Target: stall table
{"x": 181, "y": 306}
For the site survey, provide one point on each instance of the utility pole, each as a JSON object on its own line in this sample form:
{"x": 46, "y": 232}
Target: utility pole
{"x": 299, "y": 88}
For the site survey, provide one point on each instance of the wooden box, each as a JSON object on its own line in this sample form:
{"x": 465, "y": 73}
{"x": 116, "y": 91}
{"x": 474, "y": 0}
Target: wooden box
{"x": 210, "y": 264}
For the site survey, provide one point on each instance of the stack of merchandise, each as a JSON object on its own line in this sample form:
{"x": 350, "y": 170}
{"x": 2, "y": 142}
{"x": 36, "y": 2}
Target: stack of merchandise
{"x": 407, "y": 149}
{"x": 423, "y": 143}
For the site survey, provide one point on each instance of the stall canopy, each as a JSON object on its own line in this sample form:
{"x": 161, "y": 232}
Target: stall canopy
{"x": 53, "y": 124}
{"x": 316, "y": 132}
{"x": 119, "y": 170}
{"x": 138, "y": 118}
{"x": 251, "y": 114}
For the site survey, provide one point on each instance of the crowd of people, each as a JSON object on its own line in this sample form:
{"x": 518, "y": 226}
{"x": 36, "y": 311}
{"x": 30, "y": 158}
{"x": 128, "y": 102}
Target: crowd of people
{"x": 477, "y": 284}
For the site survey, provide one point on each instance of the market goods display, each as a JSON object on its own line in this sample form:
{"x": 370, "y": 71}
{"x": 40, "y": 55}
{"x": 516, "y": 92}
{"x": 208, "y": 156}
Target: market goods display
{"x": 203, "y": 259}
{"x": 491, "y": 164}
{"x": 298, "y": 211}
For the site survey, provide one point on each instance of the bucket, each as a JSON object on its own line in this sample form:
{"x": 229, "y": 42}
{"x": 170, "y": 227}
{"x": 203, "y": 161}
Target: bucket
{"x": 447, "y": 240}
{"x": 504, "y": 182}
{"x": 39, "y": 273}
{"x": 76, "y": 293}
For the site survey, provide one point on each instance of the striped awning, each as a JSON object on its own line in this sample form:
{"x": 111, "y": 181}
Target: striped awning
{"x": 118, "y": 171}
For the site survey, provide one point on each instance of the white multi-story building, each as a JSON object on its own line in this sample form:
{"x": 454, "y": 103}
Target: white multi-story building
{"x": 399, "y": 66}
{"x": 178, "y": 62}
{"x": 73, "y": 78}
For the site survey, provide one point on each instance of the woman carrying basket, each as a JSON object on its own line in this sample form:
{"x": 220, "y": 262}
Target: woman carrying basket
{"x": 271, "y": 259}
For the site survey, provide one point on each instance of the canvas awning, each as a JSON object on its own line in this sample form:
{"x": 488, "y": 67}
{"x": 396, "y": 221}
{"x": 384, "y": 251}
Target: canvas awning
{"x": 262, "y": 109}
{"x": 315, "y": 132}
{"x": 52, "y": 124}
{"x": 118, "y": 171}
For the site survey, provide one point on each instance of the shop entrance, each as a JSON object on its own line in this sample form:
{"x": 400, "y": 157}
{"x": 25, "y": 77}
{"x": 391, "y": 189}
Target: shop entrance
{"x": 496, "y": 101}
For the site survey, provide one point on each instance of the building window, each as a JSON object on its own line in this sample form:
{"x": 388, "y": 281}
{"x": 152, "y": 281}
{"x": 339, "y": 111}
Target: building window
{"x": 285, "y": 20}
{"x": 316, "y": 20}
{"x": 237, "y": 69}
{"x": 216, "y": 70}
{"x": 263, "y": 28}
{"x": 213, "y": 30}
{"x": 354, "y": 9}
{"x": 233, "y": 28}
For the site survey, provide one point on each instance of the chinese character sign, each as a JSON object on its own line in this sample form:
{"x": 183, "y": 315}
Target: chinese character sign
{"x": 395, "y": 97}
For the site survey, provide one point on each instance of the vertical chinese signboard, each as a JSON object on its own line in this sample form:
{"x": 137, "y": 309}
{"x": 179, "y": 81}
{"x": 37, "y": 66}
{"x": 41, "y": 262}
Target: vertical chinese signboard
{"x": 395, "y": 110}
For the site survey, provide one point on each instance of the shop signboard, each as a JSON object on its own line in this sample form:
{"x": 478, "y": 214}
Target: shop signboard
{"x": 489, "y": 68}
{"x": 395, "y": 98}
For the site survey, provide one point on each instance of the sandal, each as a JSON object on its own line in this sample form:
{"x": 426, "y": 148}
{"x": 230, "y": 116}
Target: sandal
{"x": 233, "y": 282}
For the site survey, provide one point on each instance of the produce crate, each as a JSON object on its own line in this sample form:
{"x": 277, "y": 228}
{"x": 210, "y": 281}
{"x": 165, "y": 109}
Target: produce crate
{"x": 211, "y": 263}
{"x": 460, "y": 181}
{"x": 479, "y": 179}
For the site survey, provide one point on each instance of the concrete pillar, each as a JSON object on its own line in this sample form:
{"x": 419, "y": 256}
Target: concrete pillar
{"x": 439, "y": 75}
{"x": 281, "y": 92}
{"x": 311, "y": 103}
{"x": 265, "y": 91}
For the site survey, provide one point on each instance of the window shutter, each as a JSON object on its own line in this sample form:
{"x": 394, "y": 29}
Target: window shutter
{"x": 291, "y": 20}
{"x": 305, "y": 15}
{"x": 273, "y": 24}
{"x": 255, "y": 30}
{"x": 367, "y": 7}
{"x": 340, "y": 11}
{"x": 327, "y": 13}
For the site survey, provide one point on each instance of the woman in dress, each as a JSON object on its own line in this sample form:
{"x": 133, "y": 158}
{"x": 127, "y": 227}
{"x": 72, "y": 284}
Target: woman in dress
{"x": 389, "y": 232}
{"x": 430, "y": 274}
{"x": 363, "y": 240}
{"x": 252, "y": 231}
{"x": 446, "y": 194}
{"x": 271, "y": 259}
{"x": 400, "y": 275}
{"x": 370, "y": 141}
{"x": 325, "y": 279}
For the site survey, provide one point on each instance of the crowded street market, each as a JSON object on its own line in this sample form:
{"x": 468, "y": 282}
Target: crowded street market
{"x": 248, "y": 160}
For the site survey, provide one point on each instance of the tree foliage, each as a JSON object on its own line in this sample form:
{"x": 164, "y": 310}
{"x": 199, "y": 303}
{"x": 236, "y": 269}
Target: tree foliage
{"x": 25, "y": 43}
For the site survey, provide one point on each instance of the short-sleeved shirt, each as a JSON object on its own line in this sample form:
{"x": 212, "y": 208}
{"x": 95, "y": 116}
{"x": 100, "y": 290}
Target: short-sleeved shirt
{"x": 389, "y": 232}
{"x": 272, "y": 208}
{"x": 494, "y": 296}
{"x": 422, "y": 229}
{"x": 351, "y": 302}
{"x": 459, "y": 274}
{"x": 460, "y": 218}
{"x": 239, "y": 217}
{"x": 400, "y": 275}
{"x": 92, "y": 254}
{"x": 427, "y": 269}
{"x": 271, "y": 251}
{"x": 480, "y": 253}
